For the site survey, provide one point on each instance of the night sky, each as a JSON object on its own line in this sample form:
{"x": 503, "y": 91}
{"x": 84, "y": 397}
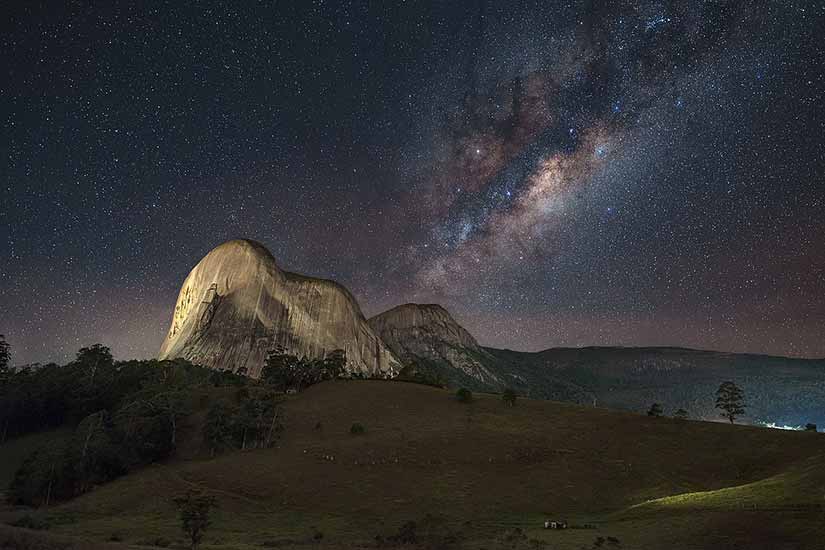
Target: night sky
{"x": 555, "y": 174}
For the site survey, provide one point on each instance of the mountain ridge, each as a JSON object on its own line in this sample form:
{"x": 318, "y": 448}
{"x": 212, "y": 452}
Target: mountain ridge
{"x": 236, "y": 304}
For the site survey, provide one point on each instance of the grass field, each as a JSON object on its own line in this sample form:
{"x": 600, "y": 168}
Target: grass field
{"x": 483, "y": 468}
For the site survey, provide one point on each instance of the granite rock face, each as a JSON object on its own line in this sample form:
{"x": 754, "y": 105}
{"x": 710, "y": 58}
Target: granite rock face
{"x": 237, "y": 304}
{"x": 427, "y": 333}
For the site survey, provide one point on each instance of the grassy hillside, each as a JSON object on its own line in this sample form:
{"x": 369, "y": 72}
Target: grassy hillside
{"x": 483, "y": 468}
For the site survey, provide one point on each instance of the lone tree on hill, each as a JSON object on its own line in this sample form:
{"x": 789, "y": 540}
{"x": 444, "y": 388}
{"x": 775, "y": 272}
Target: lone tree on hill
{"x": 731, "y": 400}
{"x": 655, "y": 410}
{"x": 509, "y": 397}
{"x": 194, "y": 515}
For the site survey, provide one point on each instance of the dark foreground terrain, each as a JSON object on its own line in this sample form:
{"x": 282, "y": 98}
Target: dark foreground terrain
{"x": 469, "y": 475}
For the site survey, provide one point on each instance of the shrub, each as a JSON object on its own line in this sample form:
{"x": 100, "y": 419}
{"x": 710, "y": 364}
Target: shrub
{"x": 509, "y": 397}
{"x": 463, "y": 395}
{"x": 809, "y": 427}
{"x": 357, "y": 429}
{"x": 655, "y": 410}
{"x": 194, "y": 510}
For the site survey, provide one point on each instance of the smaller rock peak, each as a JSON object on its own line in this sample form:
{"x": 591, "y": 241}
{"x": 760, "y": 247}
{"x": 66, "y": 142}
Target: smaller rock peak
{"x": 433, "y": 319}
{"x": 423, "y": 308}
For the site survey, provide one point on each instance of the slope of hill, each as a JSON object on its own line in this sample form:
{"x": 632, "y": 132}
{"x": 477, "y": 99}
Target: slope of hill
{"x": 482, "y": 468}
{"x": 237, "y": 304}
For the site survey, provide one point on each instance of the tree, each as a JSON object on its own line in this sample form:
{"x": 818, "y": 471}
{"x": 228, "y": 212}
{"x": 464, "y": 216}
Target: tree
{"x": 194, "y": 515}
{"x": 463, "y": 395}
{"x": 655, "y": 410}
{"x": 94, "y": 371}
{"x": 333, "y": 365}
{"x": 285, "y": 371}
{"x": 257, "y": 422}
{"x": 145, "y": 431}
{"x": 681, "y": 414}
{"x": 42, "y": 478}
{"x": 92, "y": 453}
{"x": 5, "y": 358}
{"x": 509, "y": 397}
{"x": 731, "y": 400}
{"x": 172, "y": 405}
{"x": 810, "y": 427}
{"x": 7, "y": 399}
{"x": 217, "y": 429}
{"x": 281, "y": 369}
{"x": 93, "y": 359}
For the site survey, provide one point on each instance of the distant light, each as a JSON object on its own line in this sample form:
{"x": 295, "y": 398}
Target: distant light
{"x": 775, "y": 426}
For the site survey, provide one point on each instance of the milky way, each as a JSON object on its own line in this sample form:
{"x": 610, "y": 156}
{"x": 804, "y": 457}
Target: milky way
{"x": 637, "y": 173}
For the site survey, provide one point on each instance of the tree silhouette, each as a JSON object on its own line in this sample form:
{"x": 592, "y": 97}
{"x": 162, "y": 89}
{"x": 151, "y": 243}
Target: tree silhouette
{"x": 194, "y": 515}
{"x": 5, "y": 356}
{"x": 509, "y": 397}
{"x": 731, "y": 400}
{"x": 655, "y": 410}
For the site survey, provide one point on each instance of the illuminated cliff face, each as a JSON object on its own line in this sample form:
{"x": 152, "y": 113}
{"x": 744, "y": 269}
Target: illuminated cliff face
{"x": 237, "y": 304}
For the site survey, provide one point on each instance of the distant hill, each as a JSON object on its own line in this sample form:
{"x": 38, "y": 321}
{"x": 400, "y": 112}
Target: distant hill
{"x": 779, "y": 390}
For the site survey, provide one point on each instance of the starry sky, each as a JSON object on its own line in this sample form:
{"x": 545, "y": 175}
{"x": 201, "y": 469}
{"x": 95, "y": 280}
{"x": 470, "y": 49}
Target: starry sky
{"x": 554, "y": 173}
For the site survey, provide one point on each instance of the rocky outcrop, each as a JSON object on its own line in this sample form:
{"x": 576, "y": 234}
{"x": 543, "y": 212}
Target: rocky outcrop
{"x": 237, "y": 304}
{"x": 428, "y": 334}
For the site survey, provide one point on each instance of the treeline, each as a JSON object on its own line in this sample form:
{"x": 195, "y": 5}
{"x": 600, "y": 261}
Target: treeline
{"x": 286, "y": 372}
{"x": 248, "y": 422}
{"x": 41, "y": 397}
{"x": 126, "y": 414}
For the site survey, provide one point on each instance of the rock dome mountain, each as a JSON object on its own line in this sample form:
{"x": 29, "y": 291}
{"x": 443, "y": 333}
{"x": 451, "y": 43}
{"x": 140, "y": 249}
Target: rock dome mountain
{"x": 237, "y": 304}
{"x": 425, "y": 337}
